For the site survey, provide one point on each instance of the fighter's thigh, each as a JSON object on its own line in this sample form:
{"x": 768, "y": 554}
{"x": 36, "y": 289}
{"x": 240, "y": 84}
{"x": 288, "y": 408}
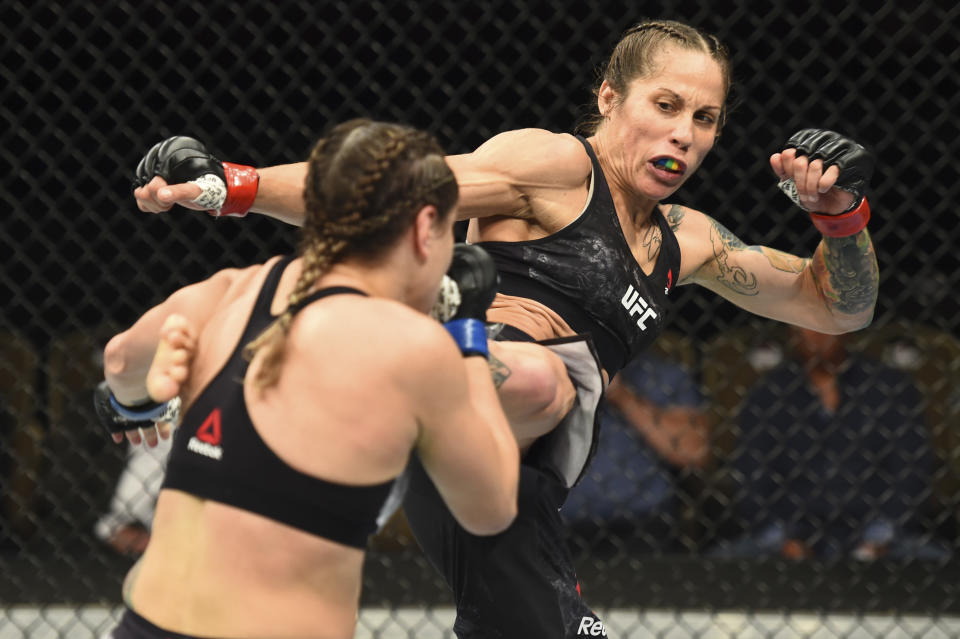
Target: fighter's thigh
{"x": 534, "y": 387}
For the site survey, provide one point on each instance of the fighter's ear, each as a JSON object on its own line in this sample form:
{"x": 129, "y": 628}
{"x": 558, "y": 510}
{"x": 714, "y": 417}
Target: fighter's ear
{"x": 606, "y": 98}
{"x": 425, "y": 229}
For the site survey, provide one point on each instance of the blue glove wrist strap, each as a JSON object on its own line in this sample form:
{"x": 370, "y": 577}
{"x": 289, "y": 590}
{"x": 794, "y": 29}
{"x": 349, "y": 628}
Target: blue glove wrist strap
{"x": 143, "y": 412}
{"x": 470, "y": 335}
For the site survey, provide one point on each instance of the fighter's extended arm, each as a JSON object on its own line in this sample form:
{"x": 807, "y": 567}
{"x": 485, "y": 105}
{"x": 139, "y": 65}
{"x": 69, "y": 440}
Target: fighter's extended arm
{"x": 834, "y": 291}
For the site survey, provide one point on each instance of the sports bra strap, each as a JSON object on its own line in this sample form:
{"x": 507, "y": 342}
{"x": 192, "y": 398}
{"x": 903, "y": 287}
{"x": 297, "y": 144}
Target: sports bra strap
{"x": 324, "y": 292}
{"x": 269, "y": 288}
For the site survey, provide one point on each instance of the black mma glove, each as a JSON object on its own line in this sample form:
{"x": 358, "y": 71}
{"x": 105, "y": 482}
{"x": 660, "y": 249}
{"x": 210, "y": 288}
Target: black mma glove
{"x": 469, "y": 287}
{"x": 227, "y": 188}
{"x": 854, "y": 161}
{"x": 855, "y": 164}
{"x": 477, "y": 280}
{"x": 117, "y": 418}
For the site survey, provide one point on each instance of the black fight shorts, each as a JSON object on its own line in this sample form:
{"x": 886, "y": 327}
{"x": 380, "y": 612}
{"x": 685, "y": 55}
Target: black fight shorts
{"x": 133, "y": 626}
{"x": 519, "y": 583}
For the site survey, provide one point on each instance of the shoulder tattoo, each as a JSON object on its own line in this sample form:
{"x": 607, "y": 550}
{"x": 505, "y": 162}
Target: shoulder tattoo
{"x": 674, "y": 216}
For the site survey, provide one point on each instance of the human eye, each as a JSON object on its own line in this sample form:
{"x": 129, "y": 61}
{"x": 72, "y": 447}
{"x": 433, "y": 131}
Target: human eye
{"x": 705, "y": 118}
{"x": 665, "y": 105}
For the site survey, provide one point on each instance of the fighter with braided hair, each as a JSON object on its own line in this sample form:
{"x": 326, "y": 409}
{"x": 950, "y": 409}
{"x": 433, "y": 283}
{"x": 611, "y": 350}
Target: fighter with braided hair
{"x": 587, "y": 249}
{"x": 306, "y": 383}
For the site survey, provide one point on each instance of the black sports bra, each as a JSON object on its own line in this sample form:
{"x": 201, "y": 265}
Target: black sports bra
{"x": 587, "y": 274}
{"x": 218, "y": 455}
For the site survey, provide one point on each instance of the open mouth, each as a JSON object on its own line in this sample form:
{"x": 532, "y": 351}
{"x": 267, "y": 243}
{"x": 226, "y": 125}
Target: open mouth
{"x": 670, "y": 165}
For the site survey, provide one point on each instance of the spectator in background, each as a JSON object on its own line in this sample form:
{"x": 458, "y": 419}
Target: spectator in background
{"x": 654, "y": 428}
{"x": 125, "y": 527}
{"x": 834, "y": 458}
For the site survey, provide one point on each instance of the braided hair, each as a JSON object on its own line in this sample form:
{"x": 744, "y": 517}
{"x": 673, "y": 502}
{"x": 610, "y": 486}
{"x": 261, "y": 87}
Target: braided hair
{"x": 365, "y": 183}
{"x": 633, "y": 57}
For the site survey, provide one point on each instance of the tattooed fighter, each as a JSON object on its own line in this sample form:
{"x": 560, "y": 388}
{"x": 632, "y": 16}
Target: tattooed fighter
{"x": 587, "y": 253}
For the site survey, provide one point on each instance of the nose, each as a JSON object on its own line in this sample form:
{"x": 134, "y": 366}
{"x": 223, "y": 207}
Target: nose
{"x": 682, "y": 134}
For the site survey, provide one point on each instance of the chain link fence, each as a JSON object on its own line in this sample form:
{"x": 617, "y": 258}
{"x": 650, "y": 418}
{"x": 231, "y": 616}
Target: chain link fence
{"x": 774, "y": 527}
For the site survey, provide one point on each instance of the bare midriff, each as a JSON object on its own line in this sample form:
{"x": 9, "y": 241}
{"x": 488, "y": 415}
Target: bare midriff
{"x": 533, "y": 318}
{"x": 310, "y": 583}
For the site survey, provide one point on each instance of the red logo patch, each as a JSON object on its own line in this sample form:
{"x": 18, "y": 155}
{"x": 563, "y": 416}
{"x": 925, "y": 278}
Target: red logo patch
{"x": 209, "y": 431}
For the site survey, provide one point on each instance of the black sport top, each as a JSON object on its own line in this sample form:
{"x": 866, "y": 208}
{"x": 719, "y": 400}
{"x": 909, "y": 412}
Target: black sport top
{"x": 218, "y": 455}
{"x": 586, "y": 273}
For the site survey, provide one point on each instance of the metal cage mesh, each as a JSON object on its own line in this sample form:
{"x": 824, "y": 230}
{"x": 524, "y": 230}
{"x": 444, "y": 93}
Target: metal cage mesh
{"x": 88, "y": 87}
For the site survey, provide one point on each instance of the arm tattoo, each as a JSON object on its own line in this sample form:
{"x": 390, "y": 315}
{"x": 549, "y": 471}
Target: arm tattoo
{"x": 784, "y": 261}
{"x": 848, "y": 273}
{"x": 499, "y": 371}
{"x": 733, "y": 277}
{"x": 674, "y": 217}
{"x": 652, "y": 240}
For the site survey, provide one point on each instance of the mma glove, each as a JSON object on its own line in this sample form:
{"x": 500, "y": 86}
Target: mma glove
{"x": 469, "y": 288}
{"x": 856, "y": 165}
{"x": 117, "y": 418}
{"x": 227, "y": 188}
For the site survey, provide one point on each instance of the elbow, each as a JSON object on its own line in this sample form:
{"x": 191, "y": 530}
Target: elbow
{"x": 497, "y": 512}
{"x": 849, "y": 323}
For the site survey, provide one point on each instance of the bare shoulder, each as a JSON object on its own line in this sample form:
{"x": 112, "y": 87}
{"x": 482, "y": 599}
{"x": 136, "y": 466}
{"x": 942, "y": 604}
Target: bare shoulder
{"x": 697, "y": 234}
{"x": 689, "y": 225}
{"x": 232, "y": 276}
{"x": 374, "y": 327}
{"x": 554, "y": 157}
{"x": 533, "y": 139}
{"x": 221, "y": 287}
{"x": 230, "y": 283}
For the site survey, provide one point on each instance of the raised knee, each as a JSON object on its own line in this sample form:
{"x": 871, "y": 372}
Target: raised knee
{"x": 549, "y": 391}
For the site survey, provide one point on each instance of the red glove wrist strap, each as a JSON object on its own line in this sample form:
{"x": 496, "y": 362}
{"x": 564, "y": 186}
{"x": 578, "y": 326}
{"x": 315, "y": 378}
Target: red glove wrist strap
{"x": 843, "y": 225}
{"x": 242, "y": 182}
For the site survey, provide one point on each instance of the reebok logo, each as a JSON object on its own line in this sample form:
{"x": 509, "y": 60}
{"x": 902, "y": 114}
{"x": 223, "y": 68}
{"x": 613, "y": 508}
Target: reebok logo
{"x": 590, "y": 627}
{"x": 636, "y": 305}
{"x": 206, "y": 441}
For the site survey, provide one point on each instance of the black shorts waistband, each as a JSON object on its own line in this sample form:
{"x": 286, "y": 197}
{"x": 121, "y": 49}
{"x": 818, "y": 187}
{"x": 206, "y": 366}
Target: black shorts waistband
{"x": 512, "y": 334}
{"x": 133, "y": 626}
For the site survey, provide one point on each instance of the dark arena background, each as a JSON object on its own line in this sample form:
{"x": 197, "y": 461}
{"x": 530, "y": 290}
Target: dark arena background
{"x": 703, "y": 548}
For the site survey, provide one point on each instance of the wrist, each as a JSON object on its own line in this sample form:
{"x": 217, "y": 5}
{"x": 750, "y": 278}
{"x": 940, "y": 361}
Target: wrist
{"x": 143, "y": 409}
{"x": 470, "y": 335}
{"x": 127, "y": 392}
{"x": 242, "y": 184}
{"x": 845, "y": 224}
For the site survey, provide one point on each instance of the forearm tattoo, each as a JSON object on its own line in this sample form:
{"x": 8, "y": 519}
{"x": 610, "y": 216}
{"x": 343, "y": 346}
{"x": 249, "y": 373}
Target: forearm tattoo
{"x": 499, "y": 371}
{"x": 734, "y": 277}
{"x": 847, "y": 272}
{"x": 784, "y": 261}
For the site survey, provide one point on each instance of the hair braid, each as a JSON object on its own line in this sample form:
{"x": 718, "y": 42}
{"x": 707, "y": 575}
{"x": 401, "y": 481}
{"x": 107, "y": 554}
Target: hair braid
{"x": 364, "y": 183}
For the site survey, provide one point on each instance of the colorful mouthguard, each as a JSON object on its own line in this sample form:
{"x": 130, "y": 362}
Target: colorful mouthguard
{"x": 667, "y": 163}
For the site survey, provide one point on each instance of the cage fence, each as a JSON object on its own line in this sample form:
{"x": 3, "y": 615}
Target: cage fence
{"x": 771, "y": 516}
